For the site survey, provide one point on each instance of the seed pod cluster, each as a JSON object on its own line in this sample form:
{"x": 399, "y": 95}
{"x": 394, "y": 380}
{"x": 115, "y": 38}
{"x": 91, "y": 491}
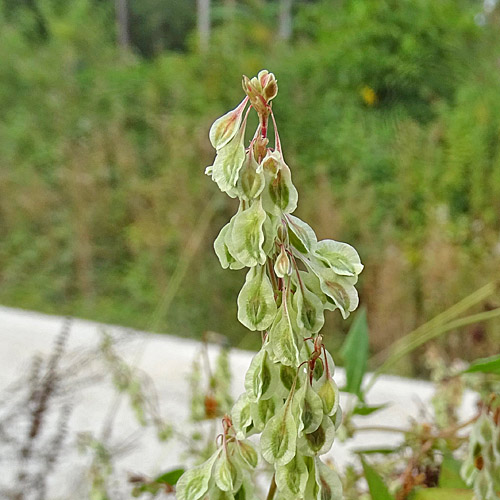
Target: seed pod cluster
{"x": 290, "y": 396}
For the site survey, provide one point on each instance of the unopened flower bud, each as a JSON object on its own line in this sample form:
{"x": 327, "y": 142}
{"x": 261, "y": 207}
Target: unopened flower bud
{"x": 282, "y": 233}
{"x": 269, "y": 85}
{"x": 260, "y": 147}
{"x": 260, "y": 90}
{"x": 282, "y": 266}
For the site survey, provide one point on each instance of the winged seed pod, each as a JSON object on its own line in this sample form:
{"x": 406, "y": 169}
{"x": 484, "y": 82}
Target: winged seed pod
{"x": 290, "y": 397}
{"x": 481, "y": 469}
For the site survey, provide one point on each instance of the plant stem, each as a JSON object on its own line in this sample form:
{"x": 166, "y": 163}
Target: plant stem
{"x": 272, "y": 489}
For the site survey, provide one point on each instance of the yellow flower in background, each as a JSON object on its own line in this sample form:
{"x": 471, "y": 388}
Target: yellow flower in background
{"x": 369, "y": 96}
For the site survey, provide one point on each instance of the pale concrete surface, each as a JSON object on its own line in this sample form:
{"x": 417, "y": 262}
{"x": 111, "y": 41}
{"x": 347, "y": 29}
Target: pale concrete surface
{"x": 167, "y": 360}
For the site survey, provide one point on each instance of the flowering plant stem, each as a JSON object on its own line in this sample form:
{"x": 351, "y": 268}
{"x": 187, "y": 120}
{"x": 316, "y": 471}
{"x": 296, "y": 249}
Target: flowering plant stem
{"x": 291, "y": 400}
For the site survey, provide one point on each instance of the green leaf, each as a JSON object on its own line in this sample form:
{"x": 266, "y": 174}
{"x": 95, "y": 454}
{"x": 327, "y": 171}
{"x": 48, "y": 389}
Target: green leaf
{"x": 364, "y": 409}
{"x": 228, "y": 162}
{"x": 341, "y": 257}
{"x": 256, "y": 306}
{"x": 283, "y": 339}
{"x": 355, "y": 353}
{"x": 261, "y": 378}
{"x": 247, "y": 236}
{"x": 442, "y": 494}
{"x": 378, "y": 490}
{"x": 171, "y": 477}
{"x": 291, "y": 479}
{"x": 374, "y": 451}
{"x": 449, "y": 475}
{"x": 279, "y": 438}
{"x": 193, "y": 484}
{"x": 485, "y": 365}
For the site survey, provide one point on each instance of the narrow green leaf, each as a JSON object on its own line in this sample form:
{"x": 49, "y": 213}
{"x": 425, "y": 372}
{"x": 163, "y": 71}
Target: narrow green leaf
{"x": 171, "y": 477}
{"x": 355, "y": 353}
{"x": 364, "y": 410}
{"x": 374, "y": 451}
{"x": 442, "y": 494}
{"x": 378, "y": 490}
{"x": 485, "y": 365}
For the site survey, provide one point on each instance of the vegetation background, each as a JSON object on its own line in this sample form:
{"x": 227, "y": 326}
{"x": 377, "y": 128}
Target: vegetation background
{"x": 389, "y": 112}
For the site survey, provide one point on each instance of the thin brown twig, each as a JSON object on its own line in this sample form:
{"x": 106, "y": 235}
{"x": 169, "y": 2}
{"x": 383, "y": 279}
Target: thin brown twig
{"x": 272, "y": 489}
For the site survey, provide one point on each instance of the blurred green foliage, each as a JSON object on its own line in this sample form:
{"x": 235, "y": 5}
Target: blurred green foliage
{"x": 390, "y": 115}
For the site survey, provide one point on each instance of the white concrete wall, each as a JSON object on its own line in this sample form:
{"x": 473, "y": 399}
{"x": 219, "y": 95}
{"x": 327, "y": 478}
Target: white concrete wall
{"x": 167, "y": 360}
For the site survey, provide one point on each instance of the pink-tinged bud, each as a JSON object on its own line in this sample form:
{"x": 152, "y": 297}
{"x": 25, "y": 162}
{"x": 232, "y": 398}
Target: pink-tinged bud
{"x": 226, "y": 127}
{"x": 260, "y": 147}
{"x": 253, "y": 90}
{"x": 282, "y": 266}
{"x": 260, "y": 90}
{"x": 269, "y": 85}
